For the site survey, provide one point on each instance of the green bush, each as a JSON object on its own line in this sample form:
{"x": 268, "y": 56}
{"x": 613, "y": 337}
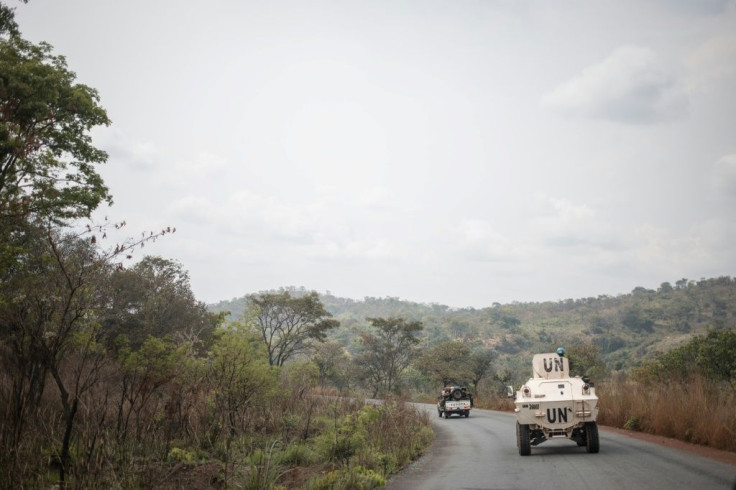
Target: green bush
{"x": 264, "y": 470}
{"x": 358, "y": 478}
{"x": 633, "y": 424}
{"x": 297, "y": 454}
{"x": 180, "y": 455}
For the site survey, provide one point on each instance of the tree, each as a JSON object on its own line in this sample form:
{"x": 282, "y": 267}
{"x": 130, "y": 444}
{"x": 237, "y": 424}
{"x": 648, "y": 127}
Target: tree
{"x": 638, "y": 318}
{"x": 585, "y": 359}
{"x": 447, "y": 363}
{"x": 239, "y": 379}
{"x": 47, "y": 160}
{"x": 154, "y": 298}
{"x": 480, "y": 366}
{"x": 681, "y": 283}
{"x": 387, "y": 353}
{"x": 713, "y": 355}
{"x": 716, "y": 355}
{"x": 333, "y": 364}
{"x": 7, "y": 20}
{"x": 49, "y": 303}
{"x": 142, "y": 375}
{"x": 287, "y": 324}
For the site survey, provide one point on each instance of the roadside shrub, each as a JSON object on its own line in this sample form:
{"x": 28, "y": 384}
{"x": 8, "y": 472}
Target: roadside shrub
{"x": 298, "y": 455}
{"x": 340, "y": 447}
{"x": 180, "y": 455}
{"x": 264, "y": 470}
{"x": 632, "y": 424}
{"x": 357, "y": 478}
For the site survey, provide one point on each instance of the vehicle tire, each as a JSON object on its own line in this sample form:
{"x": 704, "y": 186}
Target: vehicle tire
{"x": 523, "y": 439}
{"x": 457, "y": 393}
{"x": 591, "y": 437}
{"x": 447, "y": 414}
{"x": 467, "y": 413}
{"x": 439, "y": 412}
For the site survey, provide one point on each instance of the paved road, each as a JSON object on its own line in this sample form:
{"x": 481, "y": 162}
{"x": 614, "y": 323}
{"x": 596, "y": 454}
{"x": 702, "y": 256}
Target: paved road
{"x": 480, "y": 453}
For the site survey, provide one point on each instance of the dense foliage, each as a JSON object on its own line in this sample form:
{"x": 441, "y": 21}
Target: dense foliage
{"x": 601, "y": 334}
{"x": 116, "y": 376}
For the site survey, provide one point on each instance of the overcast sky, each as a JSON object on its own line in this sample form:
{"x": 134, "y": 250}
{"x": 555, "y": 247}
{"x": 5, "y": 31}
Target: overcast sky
{"x": 453, "y": 152}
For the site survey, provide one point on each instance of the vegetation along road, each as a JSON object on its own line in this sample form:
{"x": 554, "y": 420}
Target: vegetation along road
{"x": 480, "y": 453}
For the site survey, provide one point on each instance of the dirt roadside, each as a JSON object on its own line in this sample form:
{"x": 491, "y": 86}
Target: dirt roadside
{"x": 708, "y": 452}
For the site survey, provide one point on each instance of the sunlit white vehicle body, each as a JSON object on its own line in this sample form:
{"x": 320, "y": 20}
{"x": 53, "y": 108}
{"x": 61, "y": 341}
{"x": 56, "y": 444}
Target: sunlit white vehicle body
{"x": 552, "y": 404}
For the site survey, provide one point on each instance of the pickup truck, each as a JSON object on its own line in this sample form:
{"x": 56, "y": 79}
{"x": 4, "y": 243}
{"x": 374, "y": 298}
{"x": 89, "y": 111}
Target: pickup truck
{"x": 454, "y": 399}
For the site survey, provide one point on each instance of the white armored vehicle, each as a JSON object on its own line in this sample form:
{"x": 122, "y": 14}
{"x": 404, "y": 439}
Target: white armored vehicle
{"x": 553, "y": 405}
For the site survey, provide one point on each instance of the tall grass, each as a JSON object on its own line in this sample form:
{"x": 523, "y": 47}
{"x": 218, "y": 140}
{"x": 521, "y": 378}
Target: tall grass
{"x": 694, "y": 409}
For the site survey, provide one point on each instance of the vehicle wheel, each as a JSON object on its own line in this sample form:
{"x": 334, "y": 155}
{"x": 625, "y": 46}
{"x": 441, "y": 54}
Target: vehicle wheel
{"x": 524, "y": 443}
{"x": 591, "y": 437}
{"x": 439, "y": 412}
{"x": 447, "y": 415}
{"x": 467, "y": 413}
{"x": 457, "y": 393}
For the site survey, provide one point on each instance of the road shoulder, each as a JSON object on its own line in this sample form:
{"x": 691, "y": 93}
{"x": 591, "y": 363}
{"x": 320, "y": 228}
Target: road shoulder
{"x": 708, "y": 452}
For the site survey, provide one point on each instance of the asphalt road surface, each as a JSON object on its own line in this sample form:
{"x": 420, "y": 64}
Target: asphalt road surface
{"x": 480, "y": 453}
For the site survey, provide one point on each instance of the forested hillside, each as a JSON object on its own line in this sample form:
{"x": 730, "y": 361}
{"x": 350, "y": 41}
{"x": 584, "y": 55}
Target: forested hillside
{"x": 674, "y": 347}
{"x": 627, "y": 328}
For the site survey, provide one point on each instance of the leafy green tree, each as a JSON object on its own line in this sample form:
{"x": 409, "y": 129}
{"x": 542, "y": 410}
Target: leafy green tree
{"x": 386, "y": 353}
{"x": 143, "y": 373}
{"x": 716, "y": 355}
{"x": 480, "y": 366}
{"x": 288, "y": 324}
{"x": 154, "y": 298}
{"x": 48, "y": 324}
{"x": 638, "y": 318}
{"x": 8, "y": 26}
{"x": 333, "y": 363}
{"x": 240, "y": 379}
{"x": 297, "y": 379}
{"x": 585, "y": 359}
{"x": 49, "y": 304}
{"x": 713, "y": 355}
{"x": 447, "y": 363}
{"x": 47, "y": 160}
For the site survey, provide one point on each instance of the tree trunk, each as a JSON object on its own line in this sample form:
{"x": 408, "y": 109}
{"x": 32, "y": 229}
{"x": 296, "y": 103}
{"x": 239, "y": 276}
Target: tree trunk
{"x": 64, "y": 458}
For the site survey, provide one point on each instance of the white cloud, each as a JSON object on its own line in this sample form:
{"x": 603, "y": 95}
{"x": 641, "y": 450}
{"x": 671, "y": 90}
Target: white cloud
{"x": 562, "y": 223}
{"x": 125, "y": 149}
{"x": 478, "y": 241}
{"x": 712, "y": 61}
{"x": 699, "y": 251}
{"x": 632, "y": 85}
{"x": 344, "y": 251}
{"x": 723, "y": 176}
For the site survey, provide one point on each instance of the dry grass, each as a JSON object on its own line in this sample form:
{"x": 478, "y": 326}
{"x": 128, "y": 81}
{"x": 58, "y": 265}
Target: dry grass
{"x": 694, "y": 410}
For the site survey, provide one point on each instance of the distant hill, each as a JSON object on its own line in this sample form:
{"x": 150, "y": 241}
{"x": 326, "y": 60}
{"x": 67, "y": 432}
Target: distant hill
{"x": 628, "y": 328}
